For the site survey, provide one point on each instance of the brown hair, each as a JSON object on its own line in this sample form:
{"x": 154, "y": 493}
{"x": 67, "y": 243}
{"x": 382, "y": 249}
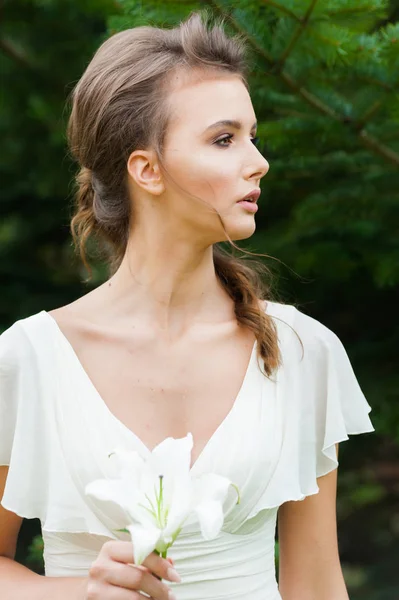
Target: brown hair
{"x": 119, "y": 105}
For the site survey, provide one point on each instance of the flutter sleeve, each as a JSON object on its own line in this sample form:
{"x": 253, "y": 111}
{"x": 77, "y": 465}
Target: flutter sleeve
{"x": 318, "y": 401}
{"x": 339, "y": 405}
{"x": 9, "y": 384}
{"x": 23, "y": 441}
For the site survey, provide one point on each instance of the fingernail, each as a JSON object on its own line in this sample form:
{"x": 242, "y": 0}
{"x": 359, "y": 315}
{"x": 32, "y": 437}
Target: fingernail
{"x": 173, "y": 575}
{"x": 171, "y": 596}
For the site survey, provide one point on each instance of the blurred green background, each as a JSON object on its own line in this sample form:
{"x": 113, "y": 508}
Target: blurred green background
{"x": 325, "y": 88}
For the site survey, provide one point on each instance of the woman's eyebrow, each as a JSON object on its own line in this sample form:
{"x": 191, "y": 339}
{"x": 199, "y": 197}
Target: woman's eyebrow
{"x": 229, "y": 123}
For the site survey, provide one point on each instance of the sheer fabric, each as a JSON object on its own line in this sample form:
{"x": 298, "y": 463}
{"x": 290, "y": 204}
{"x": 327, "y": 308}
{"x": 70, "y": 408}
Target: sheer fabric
{"x": 279, "y": 437}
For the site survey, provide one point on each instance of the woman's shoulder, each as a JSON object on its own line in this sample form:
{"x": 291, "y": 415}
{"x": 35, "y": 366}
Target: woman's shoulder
{"x": 20, "y": 339}
{"x": 303, "y": 336}
{"x": 305, "y": 325}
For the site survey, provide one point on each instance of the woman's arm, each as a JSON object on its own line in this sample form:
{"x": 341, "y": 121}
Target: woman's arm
{"x": 18, "y": 582}
{"x": 310, "y": 567}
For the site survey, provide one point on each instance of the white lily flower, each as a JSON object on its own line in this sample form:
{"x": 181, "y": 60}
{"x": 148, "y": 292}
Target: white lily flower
{"x": 159, "y": 494}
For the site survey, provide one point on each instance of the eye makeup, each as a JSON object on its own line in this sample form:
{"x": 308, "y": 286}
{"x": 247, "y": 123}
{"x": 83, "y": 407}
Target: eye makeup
{"x": 254, "y": 140}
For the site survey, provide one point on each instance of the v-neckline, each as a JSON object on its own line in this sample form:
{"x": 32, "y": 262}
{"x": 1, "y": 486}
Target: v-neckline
{"x": 105, "y": 408}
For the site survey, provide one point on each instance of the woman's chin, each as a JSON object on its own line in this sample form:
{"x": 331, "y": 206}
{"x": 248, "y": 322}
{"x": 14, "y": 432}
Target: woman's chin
{"x": 241, "y": 230}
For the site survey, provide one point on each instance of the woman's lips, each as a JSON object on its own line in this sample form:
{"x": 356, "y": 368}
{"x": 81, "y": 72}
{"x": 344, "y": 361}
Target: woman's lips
{"x": 252, "y": 196}
{"x": 248, "y": 205}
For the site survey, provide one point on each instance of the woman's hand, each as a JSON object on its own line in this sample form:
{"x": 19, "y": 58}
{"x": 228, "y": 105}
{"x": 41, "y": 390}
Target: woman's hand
{"x": 113, "y": 576}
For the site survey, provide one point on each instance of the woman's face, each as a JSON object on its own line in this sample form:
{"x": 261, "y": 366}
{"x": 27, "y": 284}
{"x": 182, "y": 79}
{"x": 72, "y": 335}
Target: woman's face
{"x": 210, "y": 162}
{"x": 211, "y": 158}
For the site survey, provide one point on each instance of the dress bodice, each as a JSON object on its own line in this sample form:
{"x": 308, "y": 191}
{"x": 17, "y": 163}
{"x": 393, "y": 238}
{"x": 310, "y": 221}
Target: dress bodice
{"x": 56, "y": 434}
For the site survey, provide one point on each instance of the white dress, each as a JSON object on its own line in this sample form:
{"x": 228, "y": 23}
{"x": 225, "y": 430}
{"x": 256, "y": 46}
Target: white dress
{"x": 279, "y": 436}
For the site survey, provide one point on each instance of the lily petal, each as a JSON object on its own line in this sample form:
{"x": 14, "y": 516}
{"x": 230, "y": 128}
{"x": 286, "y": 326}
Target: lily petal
{"x": 210, "y": 486}
{"x": 144, "y": 541}
{"x": 179, "y": 500}
{"x": 128, "y": 464}
{"x": 123, "y": 496}
{"x": 210, "y": 517}
{"x": 141, "y": 512}
{"x": 111, "y": 490}
{"x": 172, "y": 456}
{"x": 159, "y": 495}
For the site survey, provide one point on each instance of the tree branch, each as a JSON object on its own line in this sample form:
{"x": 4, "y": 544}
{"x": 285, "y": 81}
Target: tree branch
{"x": 365, "y": 138}
{"x": 385, "y": 86}
{"x": 283, "y": 9}
{"x": 12, "y": 52}
{"x": 359, "y": 10}
{"x": 299, "y": 30}
{"x": 253, "y": 42}
{"x": 371, "y": 142}
{"x": 368, "y": 114}
{"x": 309, "y": 97}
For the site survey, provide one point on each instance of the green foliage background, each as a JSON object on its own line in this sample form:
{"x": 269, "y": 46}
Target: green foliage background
{"x": 325, "y": 88}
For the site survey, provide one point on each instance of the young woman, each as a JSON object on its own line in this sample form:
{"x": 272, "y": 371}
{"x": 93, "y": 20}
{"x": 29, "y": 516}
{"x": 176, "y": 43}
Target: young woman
{"x": 180, "y": 338}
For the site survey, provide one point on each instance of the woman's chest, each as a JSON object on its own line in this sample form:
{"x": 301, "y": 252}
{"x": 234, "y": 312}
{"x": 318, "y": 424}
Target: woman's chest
{"x": 156, "y": 392}
{"x": 82, "y": 431}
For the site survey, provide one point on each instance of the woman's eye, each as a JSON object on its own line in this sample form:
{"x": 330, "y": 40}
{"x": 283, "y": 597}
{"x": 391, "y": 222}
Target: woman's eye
{"x": 228, "y": 138}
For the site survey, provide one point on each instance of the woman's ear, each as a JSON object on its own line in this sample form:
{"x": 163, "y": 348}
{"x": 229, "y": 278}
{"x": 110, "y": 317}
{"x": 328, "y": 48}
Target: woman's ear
{"x": 143, "y": 168}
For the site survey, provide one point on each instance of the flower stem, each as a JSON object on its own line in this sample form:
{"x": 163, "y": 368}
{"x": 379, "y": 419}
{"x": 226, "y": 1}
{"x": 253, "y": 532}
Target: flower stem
{"x": 160, "y": 502}
{"x": 163, "y": 554}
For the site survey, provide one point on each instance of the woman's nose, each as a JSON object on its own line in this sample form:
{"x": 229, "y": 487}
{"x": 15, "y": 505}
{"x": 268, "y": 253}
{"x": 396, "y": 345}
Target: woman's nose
{"x": 266, "y": 166}
{"x": 261, "y": 168}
